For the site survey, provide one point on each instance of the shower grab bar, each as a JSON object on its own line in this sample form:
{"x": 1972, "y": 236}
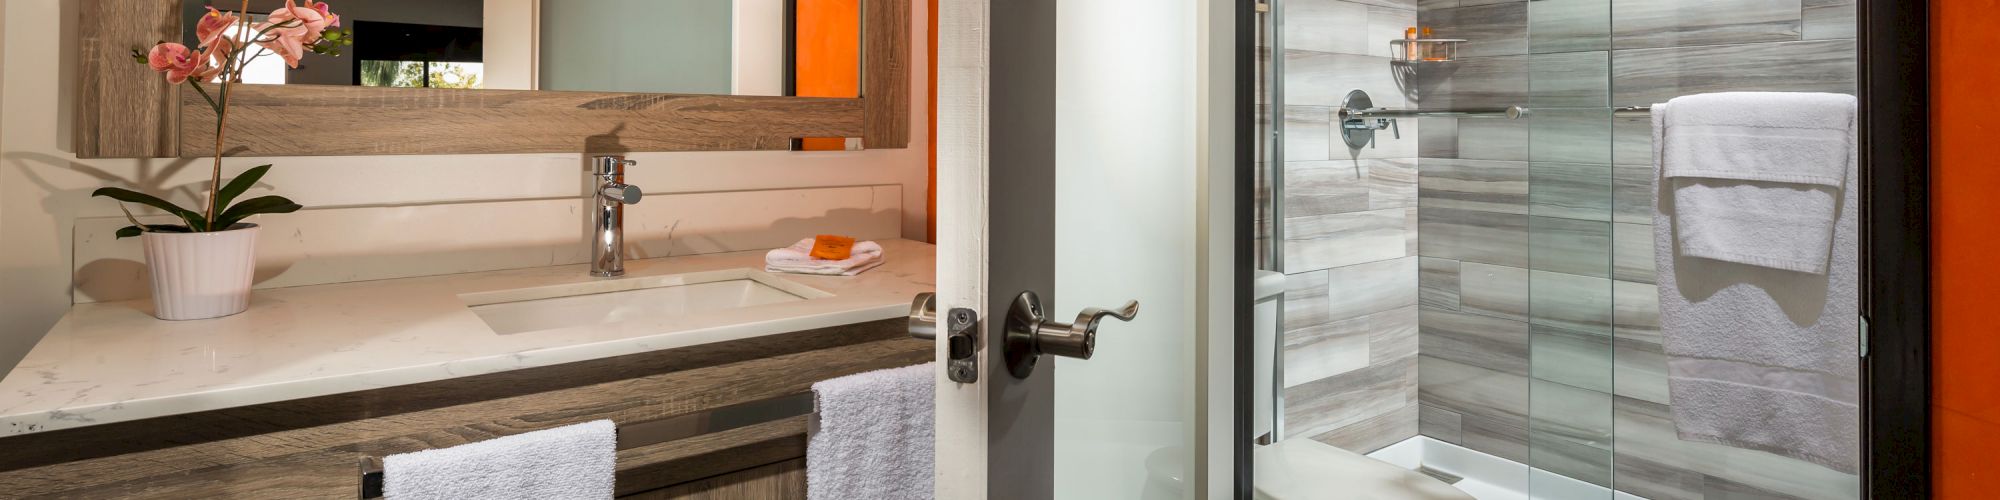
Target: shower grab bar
{"x": 1510, "y": 112}
{"x": 675, "y": 428}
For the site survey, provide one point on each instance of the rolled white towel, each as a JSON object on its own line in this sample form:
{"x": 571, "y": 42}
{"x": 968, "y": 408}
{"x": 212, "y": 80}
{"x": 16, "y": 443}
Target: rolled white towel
{"x": 796, "y": 260}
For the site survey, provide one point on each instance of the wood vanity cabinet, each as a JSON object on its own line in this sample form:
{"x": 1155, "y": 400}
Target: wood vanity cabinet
{"x": 313, "y": 447}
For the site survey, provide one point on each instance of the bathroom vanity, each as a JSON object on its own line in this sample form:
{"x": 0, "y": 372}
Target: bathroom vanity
{"x": 289, "y": 398}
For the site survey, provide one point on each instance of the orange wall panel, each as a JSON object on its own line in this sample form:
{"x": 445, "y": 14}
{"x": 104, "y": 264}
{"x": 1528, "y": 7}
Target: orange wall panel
{"x": 1965, "y": 212}
{"x": 827, "y": 46}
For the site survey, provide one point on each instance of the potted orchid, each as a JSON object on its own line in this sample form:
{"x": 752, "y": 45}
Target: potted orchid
{"x": 202, "y": 266}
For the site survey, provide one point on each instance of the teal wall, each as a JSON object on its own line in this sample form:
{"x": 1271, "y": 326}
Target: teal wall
{"x": 675, "y": 46}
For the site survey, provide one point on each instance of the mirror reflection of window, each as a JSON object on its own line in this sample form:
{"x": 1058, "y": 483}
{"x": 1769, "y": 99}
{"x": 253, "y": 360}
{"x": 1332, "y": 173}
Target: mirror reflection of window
{"x": 441, "y": 75}
{"x": 265, "y": 69}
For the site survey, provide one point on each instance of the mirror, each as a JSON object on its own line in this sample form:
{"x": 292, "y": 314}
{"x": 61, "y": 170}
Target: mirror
{"x": 738, "y": 47}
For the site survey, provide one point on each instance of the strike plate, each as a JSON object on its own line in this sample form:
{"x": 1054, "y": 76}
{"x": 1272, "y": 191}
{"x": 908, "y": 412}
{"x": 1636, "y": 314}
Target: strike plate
{"x": 962, "y": 338}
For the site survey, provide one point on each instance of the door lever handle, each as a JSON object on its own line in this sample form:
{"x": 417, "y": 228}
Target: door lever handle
{"x": 1031, "y": 334}
{"x": 923, "y": 316}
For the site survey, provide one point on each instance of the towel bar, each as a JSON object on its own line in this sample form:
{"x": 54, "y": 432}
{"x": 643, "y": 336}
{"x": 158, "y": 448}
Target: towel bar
{"x": 1510, "y": 112}
{"x": 652, "y": 432}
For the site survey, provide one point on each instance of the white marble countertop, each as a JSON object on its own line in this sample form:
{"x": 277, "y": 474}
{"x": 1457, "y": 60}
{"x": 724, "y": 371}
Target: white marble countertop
{"x": 112, "y": 362}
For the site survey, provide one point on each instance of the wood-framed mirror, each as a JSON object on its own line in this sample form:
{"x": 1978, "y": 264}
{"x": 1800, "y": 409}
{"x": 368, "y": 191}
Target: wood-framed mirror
{"x": 125, "y": 110}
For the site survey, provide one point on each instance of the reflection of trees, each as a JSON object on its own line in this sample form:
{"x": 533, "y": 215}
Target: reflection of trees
{"x": 411, "y": 74}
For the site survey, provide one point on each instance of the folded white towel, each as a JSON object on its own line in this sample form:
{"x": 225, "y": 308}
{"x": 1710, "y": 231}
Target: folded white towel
{"x": 1757, "y": 175}
{"x": 577, "y": 461}
{"x": 874, "y": 438}
{"x": 1760, "y": 357}
{"x": 797, "y": 259}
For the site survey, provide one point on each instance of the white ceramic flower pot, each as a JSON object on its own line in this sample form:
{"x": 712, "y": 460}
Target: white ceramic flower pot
{"x": 201, "y": 275}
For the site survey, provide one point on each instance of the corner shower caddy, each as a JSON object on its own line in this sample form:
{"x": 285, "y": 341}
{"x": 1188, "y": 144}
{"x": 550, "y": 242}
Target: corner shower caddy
{"x": 1428, "y": 50}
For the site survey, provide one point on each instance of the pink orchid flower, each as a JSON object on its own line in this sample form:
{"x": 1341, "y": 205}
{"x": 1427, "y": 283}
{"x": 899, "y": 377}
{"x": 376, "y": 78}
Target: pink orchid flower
{"x": 209, "y": 30}
{"x": 326, "y": 11}
{"x": 179, "y": 62}
{"x": 292, "y": 28}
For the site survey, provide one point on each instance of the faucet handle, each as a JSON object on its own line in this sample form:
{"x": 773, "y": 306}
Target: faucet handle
{"x": 611, "y": 164}
{"x": 622, "y": 193}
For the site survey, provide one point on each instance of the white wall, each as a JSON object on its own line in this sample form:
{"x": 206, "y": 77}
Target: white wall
{"x": 44, "y": 189}
{"x": 511, "y": 43}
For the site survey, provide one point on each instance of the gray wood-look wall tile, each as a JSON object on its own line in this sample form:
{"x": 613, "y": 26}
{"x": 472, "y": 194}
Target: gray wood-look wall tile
{"x": 1488, "y": 186}
{"x": 1334, "y": 402}
{"x": 1399, "y": 4}
{"x": 1475, "y": 393}
{"x": 1496, "y": 291}
{"x": 1376, "y": 432}
{"x": 1335, "y": 240}
{"x": 1498, "y": 29}
{"x": 1632, "y": 194}
{"x": 1474, "y": 340}
{"x": 1474, "y": 236}
{"x": 1438, "y": 423}
{"x": 1569, "y": 25}
{"x": 1570, "y": 302}
{"x": 1570, "y": 246}
{"x": 1632, "y": 253}
{"x": 1306, "y": 300}
{"x": 1392, "y": 335}
{"x": 1720, "y": 488}
{"x": 1321, "y": 351}
{"x": 1308, "y": 133}
{"x": 1569, "y": 80}
{"x": 1581, "y": 360}
{"x": 1325, "y": 187}
{"x": 1494, "y": 436}
{"x": 1646, "y": 76}
{"x": 1438, "y": 138}
{"x": 1645, "y": 431}
{"x": 1491, "y": 139}
{"x": 1363, "y": 289}
{"x": 1559, "y": 135}
{"x": 1385, "y": 24}
{"x": 1480, "y": 82}
{"x": 1326, "y": 26}
{"x": 1653, "y": 480}
{"x": 1436, "y": 4}
{"x": 1437, "y": 283}
{"x": 1324, "y": 78}
{"x": 1559, "y": 434}
{"x": 1636, "y": 311}
{"x": 1392, "y": 183}
{"x": 1641, "y": 370}
{"x": 1638, "y": 24}
{"x": 1632, "y": 139}
{"x": 1830, "y": 19}
{"x": 1570, "y": 191}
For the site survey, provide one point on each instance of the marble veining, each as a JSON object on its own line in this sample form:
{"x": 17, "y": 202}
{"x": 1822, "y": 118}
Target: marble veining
{"x": 112, "y": 361}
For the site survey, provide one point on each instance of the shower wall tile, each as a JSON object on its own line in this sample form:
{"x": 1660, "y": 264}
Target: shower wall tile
{"x": 1569, "y": 25}
{"x": 1638, "y": 24}
{"x": 1480, "y": 82}
{"x": 1474, "y": 236}
{"x": 1497, "y": 29}
{"x": 1385, "y": 24}
{"x": 1575, "y": 359}
{"x": 1653, "y": 480}
{"x": 1646, "y": 76}
{"x": 1570, "y": 191}
{"x": 1482, "y": 397}
{"x": 1326, "y": 26}
{"x": 1489, "y": 139}
{"x": 1439, "y": 138}
{"x": 1324, "y": 78}
{"x": 1829, "y": 19}
{"x": 1325, "y": 187}
{"x": 1570, "y": 246}
{"x": 1335, "y": 240}
{"x": 1437, "y": 283}
{"x": 1308, "y": 133}
{"x": 1632, "y": 252}
{"x": 1570, "y": 135}
{"x": 1640, "y": 371}
{"x": 1438, "y": 423}
{"x": 1495, "y": 291}
{"x": 1306, "y": 300}
{"x": 1364, "y": 289}
{"x": 1632, "y": 139}
{"x": 1494, "y": 437}
{"x": 1325, "y": 350}
{"x": 1569, "y": 80}
{"x": 1474, "y": 340}
{"x": 1392, "y": 183}
{"x": 1570, "y": 302}
{"x": 1331, "y": 403}
{"x": 1489, "y": 186}
{"x": 1375, "y": 432}
{"x": 1398, "y": 4}
{"x": 1571, "y": 431}
{"x": 1645, "y": 432}
{"x": 1392, "y": 335}
{"x": 1636, "y": 310}
{"x": 1632, "y": 194}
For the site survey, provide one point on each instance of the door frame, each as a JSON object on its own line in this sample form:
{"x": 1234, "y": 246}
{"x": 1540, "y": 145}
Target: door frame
{"x": 1894, "y": 89}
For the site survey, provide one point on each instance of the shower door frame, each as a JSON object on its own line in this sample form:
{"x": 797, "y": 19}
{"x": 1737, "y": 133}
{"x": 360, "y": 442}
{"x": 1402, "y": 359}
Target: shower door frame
{"x": 1894, "y": 88}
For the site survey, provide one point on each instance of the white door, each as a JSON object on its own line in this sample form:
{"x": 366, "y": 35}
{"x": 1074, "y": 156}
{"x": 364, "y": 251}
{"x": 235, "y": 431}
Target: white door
{"x": 1075, "y": 143}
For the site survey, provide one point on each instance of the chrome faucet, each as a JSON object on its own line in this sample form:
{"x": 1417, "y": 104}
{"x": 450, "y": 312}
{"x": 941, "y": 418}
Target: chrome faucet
{"x": 607, "y": 253}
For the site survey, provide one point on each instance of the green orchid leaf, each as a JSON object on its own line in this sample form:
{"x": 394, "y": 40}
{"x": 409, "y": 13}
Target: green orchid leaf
{"x": 254, "y": 206}
{"x": 237, "y": 186}
{"x": 192, "y": 218}
{"x": 130, "y": 231}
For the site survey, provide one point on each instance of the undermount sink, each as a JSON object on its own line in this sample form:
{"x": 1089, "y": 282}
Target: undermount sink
{"x": 630, "y": 299}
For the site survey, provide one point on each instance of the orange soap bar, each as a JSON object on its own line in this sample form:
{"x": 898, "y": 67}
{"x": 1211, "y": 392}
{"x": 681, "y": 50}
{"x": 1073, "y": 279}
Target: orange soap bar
{"x": 831, "y": 247}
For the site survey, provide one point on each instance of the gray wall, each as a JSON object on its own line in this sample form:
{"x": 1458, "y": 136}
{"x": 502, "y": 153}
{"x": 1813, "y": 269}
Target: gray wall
{"x": 675, "y": 46}
{"x": 1536, "y": 234}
